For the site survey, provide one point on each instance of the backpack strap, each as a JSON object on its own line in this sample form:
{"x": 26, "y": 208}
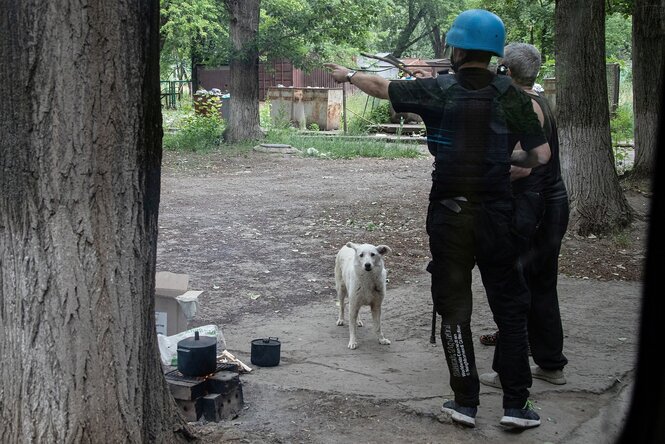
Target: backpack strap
{"x": 501, "y": 83}
{"x": 445, "y": 81}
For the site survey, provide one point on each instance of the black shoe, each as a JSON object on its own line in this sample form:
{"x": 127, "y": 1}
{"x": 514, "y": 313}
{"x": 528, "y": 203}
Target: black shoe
{"x": 460, "y": 414}
{"x": 523, "y": 418}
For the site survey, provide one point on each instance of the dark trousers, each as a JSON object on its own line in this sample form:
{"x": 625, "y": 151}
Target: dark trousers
{"x": 541, "y": 267}
{"x": 480, "y": 233}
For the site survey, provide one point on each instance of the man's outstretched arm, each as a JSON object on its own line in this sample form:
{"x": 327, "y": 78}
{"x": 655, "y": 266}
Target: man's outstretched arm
{"x": 373, "y": 85}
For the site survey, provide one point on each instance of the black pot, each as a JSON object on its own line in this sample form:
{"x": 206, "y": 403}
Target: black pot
{"x": 197, "y": 356}
{"x": 265, "y": 352}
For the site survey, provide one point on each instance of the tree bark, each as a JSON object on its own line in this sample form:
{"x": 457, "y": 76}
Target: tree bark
{"x": 80, "y": 155}
{"x": 415, "y": 17}
{"x": 597, "y": 202}
{"x": 438, "y": 42}
{"x": 243, "y": 121}
{"x": 648, "y": 58}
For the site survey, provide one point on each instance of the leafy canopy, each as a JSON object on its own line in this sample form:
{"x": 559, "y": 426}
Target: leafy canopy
{"x": 310, "y": 32}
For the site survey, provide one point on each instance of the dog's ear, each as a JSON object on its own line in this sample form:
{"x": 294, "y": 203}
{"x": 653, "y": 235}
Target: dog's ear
{"x": 383, "y": 249}
{"x": 352, "y": 245}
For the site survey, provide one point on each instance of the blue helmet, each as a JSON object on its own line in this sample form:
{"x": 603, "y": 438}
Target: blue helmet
{"x": 477, "y": 29}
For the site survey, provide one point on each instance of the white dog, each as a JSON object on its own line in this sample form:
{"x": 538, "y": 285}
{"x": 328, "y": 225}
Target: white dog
{"x": 360, "y": 275}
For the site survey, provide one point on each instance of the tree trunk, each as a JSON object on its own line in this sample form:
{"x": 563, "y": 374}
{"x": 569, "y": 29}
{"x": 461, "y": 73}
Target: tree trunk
{"x": 648, "y": 58}
{"x": 243, "y": 121}
{"x": 438, "y": 42}
{"x": 196, "y": 58}
{"x": 80, "y": 154}
{"x": 597, "y": 202}
{"x": 415, "y": 18}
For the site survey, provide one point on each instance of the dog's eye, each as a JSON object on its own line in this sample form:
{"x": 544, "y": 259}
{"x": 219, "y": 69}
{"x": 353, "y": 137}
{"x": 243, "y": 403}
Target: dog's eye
{"x": 373, "y": 254}
{"x": 362, "y": 254}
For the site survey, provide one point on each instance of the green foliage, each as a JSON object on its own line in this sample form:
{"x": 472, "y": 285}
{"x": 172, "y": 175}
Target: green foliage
{"x": 618, "y": 34}
{"x": 621, "y": 123}
{"x": 274, "y": 120}
{"x": 527, "y": 21}
{"x": 547, "y": 69}
{"x": 340, "y": 147}
{"x": 406, "y": 26}
{"x": 621, "y": 238}
{"x": 314, "y": 127}
{"x": 187, "y": 27}
{"x": 310, "y": 32}
{"x": 264, "y": 115}
{"x": 195, "y": 133}
{"x": 624, "y": 7}
{"x": 621, "y": 128}
{"x": 359, "y": 120}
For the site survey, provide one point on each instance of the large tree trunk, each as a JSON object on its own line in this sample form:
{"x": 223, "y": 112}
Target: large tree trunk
{"x": 403, "y": 40}
{"x": 648, "y": 57}
{"x": 597, "y": 202}
{"x": 80, "y": 154}
{"x": 243, "y": 121}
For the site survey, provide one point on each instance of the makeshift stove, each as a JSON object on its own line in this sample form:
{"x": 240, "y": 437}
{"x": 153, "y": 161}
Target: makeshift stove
{"x": 215, "y": 397}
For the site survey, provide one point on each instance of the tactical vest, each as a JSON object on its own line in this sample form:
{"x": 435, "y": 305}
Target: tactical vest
{"x": 471, "y": 144}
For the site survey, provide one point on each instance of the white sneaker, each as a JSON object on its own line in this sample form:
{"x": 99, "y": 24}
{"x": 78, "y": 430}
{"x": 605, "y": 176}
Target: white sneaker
{"x": 490, "y": 379}
{"x": 551, "y": 376}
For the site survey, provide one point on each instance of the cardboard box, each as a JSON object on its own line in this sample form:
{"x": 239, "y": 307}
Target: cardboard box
{"x": 175, "y": 306}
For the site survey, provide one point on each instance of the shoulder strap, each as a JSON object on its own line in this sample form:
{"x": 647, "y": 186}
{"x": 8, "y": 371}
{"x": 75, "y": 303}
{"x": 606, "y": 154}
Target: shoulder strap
{"x": 501, "y": 83}
{"x": 445, "y": 81}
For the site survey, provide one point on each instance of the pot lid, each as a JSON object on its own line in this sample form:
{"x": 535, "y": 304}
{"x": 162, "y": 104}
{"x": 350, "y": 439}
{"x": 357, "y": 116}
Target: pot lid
{"x": 197, "y": 341}
{"x": 266, "y": 341}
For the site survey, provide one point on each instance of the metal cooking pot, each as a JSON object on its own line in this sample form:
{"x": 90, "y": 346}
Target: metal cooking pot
{"x": 197, "y": 356}
{"x": 265, "y": 352}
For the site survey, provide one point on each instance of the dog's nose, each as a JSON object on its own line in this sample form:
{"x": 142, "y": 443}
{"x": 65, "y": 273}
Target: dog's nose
{"x": 368, "y": 267}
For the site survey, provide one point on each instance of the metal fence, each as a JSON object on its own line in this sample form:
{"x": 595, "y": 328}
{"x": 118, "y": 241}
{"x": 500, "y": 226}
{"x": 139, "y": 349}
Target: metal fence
{"x": 171, "y": 92}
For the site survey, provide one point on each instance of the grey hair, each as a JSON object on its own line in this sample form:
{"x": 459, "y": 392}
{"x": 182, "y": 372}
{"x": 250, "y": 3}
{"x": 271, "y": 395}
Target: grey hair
{"x": 524, "y": 61}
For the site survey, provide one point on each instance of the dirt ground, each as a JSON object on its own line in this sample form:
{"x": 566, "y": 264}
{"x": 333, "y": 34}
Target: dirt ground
{"x": 258, "y": 232}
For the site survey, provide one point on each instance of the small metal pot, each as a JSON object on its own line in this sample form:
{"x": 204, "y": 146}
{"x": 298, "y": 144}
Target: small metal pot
{"x": 197, "y": 356}
{"x": 265, "y": 352}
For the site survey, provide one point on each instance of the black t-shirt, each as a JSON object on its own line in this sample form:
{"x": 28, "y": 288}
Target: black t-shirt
{"x": 545, "y": 179}
{"x": 426, "y": 98}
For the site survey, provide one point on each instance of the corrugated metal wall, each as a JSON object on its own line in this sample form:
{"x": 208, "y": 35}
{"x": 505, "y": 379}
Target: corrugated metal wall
{"x": 277, "y": 72}
{"x": 318, "y": 77}
{"x": 210, "y": 78}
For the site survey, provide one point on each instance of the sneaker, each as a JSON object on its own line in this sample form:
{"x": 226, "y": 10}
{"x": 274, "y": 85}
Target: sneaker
{"x": 460, "y": 414}
{"x": 551, "y": 376}
{"x": 491, "y": 379}
{"x": 523, "y": 418}
{"x": 489, "y": 339}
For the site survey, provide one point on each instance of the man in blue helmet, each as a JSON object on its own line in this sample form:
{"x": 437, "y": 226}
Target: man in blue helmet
{"x": 474, "y": 119}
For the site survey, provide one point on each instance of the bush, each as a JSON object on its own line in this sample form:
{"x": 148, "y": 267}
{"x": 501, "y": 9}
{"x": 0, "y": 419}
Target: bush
{"x": 341, "y": 147}
{"x": 196, "y": 133}
{"x": 379, "y": 114}
{"x": 621, "y": 124}
{"x": 264, "y": 115}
